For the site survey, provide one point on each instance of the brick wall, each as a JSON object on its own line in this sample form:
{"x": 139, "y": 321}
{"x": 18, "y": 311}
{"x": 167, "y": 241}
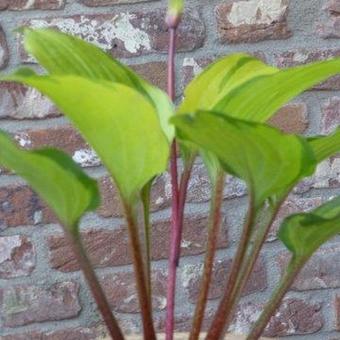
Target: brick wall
{"x": 43, "y": 295}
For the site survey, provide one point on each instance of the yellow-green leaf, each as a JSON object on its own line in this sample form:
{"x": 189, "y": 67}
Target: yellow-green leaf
{"x": 55, "y": 177}
{"x": 118, "y": 122}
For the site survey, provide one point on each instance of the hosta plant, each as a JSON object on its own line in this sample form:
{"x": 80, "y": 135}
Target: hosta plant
{"x": 138, "y": 132}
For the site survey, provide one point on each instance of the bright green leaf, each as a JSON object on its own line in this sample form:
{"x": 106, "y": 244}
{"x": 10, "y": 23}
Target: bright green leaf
{"x": 244, "y": 87}
{"x": 325, "y": 146}
{"x": 304, "y": 233}
{"x": 117, "y": 121}
{"x": 55, "y": 177}
{"x": 63, "y": 54}
{"x": 219, "y": 79}
{"x": 259, "y": 98}
{"x": 268, "y": 160}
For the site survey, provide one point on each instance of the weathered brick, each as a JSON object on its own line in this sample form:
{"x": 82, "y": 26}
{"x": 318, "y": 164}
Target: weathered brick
{"x": 4, "y": 52}
{"x": 102, "y": 254}
{"x": 65, "y": 138}
{"x": 20, "y": 5}
{"x": 333, "y": 6}
{"x": 322, "y": 271}
{"x": 120, "y": 289}
{"x": 97, "y": 3}
{"x": 327, "y": 174}
{"x": 294, "y": 317}
{"x": 292, "y": 118}
{"x": 330, "y": 119}
{"x": 329, "y": 27}
{"x": 292, "y": 205}
{"x": 19, "y": 205}
{"x": 304, "y": 56}
{"x": 20, "y": 102}
{"x": 252, "y": 21}
{"x": 79, "y": 333}
{"x": 111, "y": 205}
{"x": 17, "y": 256}
{"x": 192, "y": 275}
{"x": 155, "y": 72}
{"x": 128, "y": 34}
{"x": 23, "y": 304}
{"x": 337, "y": 312}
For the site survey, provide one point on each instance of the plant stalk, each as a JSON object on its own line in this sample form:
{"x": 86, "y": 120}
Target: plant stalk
{"x": 175, "y": 224}
{"x": 183, "y": 188}
{"x": 249, "y": 264}
{"x": 218, "y": 324}
{"x": 147, "y": 237}
{"x": 139, "y": 269}
{"x": 214, "y": 228}
{"x": 292, "y": 270}
{"x": 95, "y": 287}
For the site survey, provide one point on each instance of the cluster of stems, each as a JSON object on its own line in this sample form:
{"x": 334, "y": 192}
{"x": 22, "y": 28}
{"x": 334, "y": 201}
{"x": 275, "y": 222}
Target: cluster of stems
{"x": 251, "y": 242}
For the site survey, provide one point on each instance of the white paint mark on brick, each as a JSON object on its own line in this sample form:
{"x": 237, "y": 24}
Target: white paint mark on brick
{"x": 255, "y": 12}
{"x": 86, "y": 158}
{"x": 7, "y": 244}
{"x": 102, "y": 34}
{"x": 191, "y": 62}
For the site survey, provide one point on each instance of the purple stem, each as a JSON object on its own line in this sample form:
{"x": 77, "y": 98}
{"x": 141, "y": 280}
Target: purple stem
{"x": 175, "y": 225}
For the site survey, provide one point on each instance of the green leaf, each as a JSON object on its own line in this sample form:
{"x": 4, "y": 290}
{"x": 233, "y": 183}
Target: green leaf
{"x": 325, "y": 146}
{"x": 117, "y": 121}
{"x": 219, "y": 79}
{"x": 304, "y": 233}
{"x": 261, "y": 97}
{"x": 269, "y": 161}
{"x": 63, "y": 54}
{"x": 244, "y": 87}
{"x": 55, "y": 177}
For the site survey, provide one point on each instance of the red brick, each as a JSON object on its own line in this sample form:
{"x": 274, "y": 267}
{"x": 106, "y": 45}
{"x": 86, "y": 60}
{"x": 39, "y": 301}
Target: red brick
{"x": 20, "y": 5}
{"x": 192, "y": 278}
{"x": 321, "y": 272}
{"x": 20, "y": 102}
{"x": 303, "y": 56}
{"x": 128, "y": 34}
{"x": 292, "y": 205}
{"x": 294, "y": 317}
{"x": 330, "y": 119}
{"x": 252, "y": 21}
{"x": 99, "y": 245}
{"x": 17, "y": 256}
{"x": 19, "y": 205}
{"x": 23, "y": 305}
{"x": 155, "y": 72}
{"x": 65, "y": 138}
{"x": 333, "y": 6}
{"x": 4, "y": 52}
{"x": 111, "y": 205}
{"x": 97, "y": 3}
{"x": 79, "y": 333}
{"x": 120, "y": 289}
{"x": 292, "y": 118}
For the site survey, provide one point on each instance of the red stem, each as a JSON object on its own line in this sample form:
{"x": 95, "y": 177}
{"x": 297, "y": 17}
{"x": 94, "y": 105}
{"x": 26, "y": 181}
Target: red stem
{"x": 94, "y": 285}
{"x": 175, "y": 225}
